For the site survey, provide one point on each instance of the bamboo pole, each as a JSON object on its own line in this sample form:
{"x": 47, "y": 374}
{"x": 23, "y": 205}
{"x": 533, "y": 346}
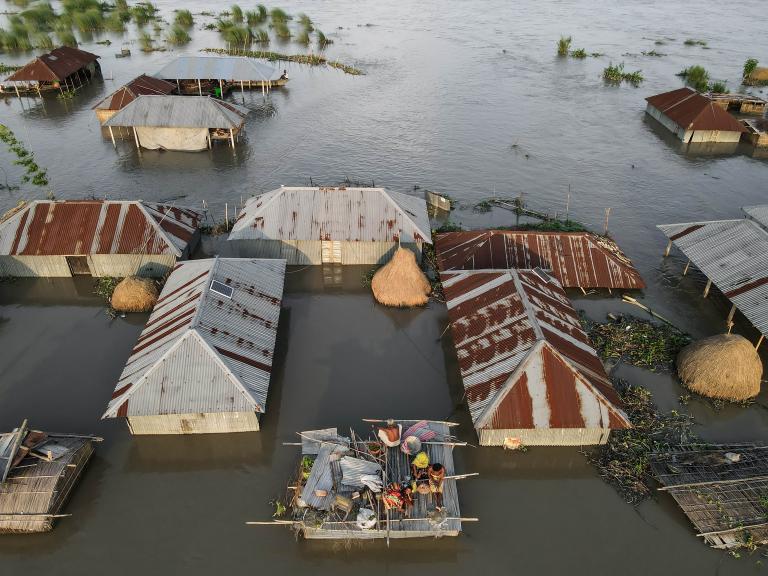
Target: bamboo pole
{"x": 707, "y": 287}
{"x": 630, "y": 300}
{"x": 668, "y": 248}
{"x": 687, "y": 265}
{"x": 375, "y": 421}
{"x": 759, "y": 341}
{"x": 269, "y": 523}
{"x": 232, "y": 137}
{"x": 461, "y": 476}
{"x": 199, "y": 87}
{"x": 136, "y": 138}
{"x": 112, "y": 136}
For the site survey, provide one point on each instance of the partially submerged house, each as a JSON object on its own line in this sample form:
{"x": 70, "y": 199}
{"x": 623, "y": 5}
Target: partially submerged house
{"x": 741, "y": 103}
{"x": 140, "y": 86}
{"x": 201, "y": 75}
{"x": 733, "y": 255}
{"x": 529, "y": 370}
{"x": 693, "y": 117}
{"x": 757, "y": 131}
{"x": 63, "y": 68}
{"x": 326, "y": 225}
{"x": 203, "y": 362}
{"x": 576, "y": 259}
{"x": 188, "y": 123}
{"x": 721, "y": 488}
{"x": 350, "y": 487}
{"x": 38, "y": 470}
{"x": 96, "y": 237}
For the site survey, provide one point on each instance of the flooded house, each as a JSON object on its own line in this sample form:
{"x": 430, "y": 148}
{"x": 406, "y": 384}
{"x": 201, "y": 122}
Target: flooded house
{"x": 693, "y": 117}
{"x": 757, "y": 132}
{"x": 140, "y": 86}
{"x": 217, "y": 75}
{"x": 117, "y": 238}
{"x": 331, "y": 225}
{"x": 577, "y": 259}
{"x": 203, "y": 362}
{"x": 63, "y": 68}
{"x": 733, "y": 255}
{"x": 363, "y": 487}
{"x": 185, "y": 123}
{"x": 741, "y": 103}
{"x": 38, "y": 471}
{"x": 530, "y": 373}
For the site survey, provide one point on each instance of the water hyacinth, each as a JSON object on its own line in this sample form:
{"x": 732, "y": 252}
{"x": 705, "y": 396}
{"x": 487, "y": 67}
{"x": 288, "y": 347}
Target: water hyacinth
{"x": 616, "y": 75}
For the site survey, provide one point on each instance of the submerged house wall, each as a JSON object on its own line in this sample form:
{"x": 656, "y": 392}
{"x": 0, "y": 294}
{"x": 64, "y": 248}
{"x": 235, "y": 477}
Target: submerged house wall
{"x": 116, "y": 265}
{"x": 315, "y": 252}
{"x": 201, "y": 423}
{"x": 546, "y": 436}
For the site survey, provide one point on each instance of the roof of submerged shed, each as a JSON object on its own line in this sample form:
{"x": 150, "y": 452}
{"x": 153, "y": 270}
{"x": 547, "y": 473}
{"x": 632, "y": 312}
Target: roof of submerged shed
{"x": 218, "y": 68}
{"x": 525, "y": 361}
{"x": 162, "y": 111}
{"x": 341, "y": 214}
{"x": 57, "y": 64}
{"x": 209, "y": 343}
{"x": 576, "y": 259}
{"x": 78, "y": 227}
{"x": 692, "y": 111}
{"x": 758, "y": 213}
{"x": 734, "y": 255}
{"x": 139, "y": 86}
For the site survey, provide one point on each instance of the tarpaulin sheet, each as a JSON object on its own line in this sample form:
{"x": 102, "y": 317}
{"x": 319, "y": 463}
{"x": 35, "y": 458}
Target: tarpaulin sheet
{"x": 186, "y": 139}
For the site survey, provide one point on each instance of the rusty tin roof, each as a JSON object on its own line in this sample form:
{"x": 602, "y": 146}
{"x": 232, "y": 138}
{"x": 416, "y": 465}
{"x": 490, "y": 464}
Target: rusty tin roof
{"x": 209, "y": 343}
{"x": 139, "y": 86}
{"x": 57, "y": 64}
{"x": 734, "y": 255}
{"x": 576, "y": 259}
{"x": 343, "y": 214}
{"x": 524, "y": 359}
{"x": 78, "y": 227}
{"x": 692, "y": 111}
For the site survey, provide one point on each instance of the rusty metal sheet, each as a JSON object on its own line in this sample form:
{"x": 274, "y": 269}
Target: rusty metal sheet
{"x": 524, "y": 359}
{"x": 57, "y": 64}
{"x": 73, "y": 227}
{"x": 576, "y": 259}
{"x": 139, "y": 86}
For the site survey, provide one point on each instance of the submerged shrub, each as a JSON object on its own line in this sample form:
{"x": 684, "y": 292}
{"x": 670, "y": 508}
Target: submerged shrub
{"x": 67, "y": 38}
{"x": 262, "y": 37}
{"x": 719, "y": 87}
{"x": 88, "y": 21}
{"x": 749, "y": 66}
{"x": 184, "y": 18}
{"x": 303, "y": 37}
{"x": 580, "y": 53}
{"x": 696, "y": 77}
{"x": 237, "y": 14}
{"x": 563, "y": 45}
{"x": 281, "y": 30}
{"x": 178, "y": 35}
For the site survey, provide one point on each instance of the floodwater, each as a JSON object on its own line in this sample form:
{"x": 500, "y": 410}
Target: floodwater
{"x": 460, "y": 98}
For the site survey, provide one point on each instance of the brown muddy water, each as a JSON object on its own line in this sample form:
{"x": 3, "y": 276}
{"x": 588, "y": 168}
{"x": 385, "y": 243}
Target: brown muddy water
{"x": 463, "y": 98}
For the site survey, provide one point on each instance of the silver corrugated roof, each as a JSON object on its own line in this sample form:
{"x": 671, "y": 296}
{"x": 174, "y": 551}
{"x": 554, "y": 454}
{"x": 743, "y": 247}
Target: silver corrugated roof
{"x": 758, "y": 213}
{"x": 217, "y": 68}
{"x": 201, "y": 352}
{"x": 179, "y": 112}
{"x": 342, "y": 214}
{"x": 734, "y": 255}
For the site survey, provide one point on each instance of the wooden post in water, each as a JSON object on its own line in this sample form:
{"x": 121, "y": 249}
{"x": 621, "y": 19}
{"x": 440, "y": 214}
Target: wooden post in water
{"x": 199, "y": 87}
{"x": 232, "y": 137}
{"x": 669, "y": 247}
{"x": 112, "y": 135}
{"x": 687, "y": 265}
{"x": 729, "y": 321}
{"x": 136, "y": 138}
{"x": 707, "y": 287}
{"x": 607, "y": 214}
{"x": 759, "y": 341}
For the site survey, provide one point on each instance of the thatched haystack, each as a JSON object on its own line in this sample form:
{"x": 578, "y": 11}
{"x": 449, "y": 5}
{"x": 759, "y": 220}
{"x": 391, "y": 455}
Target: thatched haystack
{"x": 134, "y": 294}
{"x": 724, "y": 366}
{"x": 759, "y": 76}
{"x": 400, "y": 282}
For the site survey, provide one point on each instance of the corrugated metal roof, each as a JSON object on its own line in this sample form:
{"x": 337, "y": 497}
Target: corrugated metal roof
{"x": 179, "y": 112}
{"x": 78, "y": 227}
{"x": 201, "y": 352}
{"x": 734, "y": 255}
{"x": 139, "y": 86}
{"x": 218, "y": 68}
{"x": 692, "y": 111}
{"x": 57, "y": 64}
{"x": 342, "y": 214}
{"x": 576, "y": 259}
{"x": 758, "y": 213}
{"x": 524, "y": 359}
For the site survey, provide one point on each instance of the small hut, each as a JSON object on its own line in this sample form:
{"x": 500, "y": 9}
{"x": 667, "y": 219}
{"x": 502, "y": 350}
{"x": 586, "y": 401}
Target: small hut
{"x": 758, "y": 77}
{"x": 37, "y": 473}
{"x": 331, "y": 225}
{"x": 757, "y": 132}
{"x": 203, "y": 75}
{"x": 187, "y": 123}
{"x": 140, "y": 86}
{"x": 63, "y": 68}
{"x": 724, "y": 366}
{"x": 47, "y": 238}
{"x": 134, "y": 294}
{"x": 352, "y": 487}
{"x": 400, "y": 282}
{"x": 203, "y": 362}
{"x": 693, "y": 117}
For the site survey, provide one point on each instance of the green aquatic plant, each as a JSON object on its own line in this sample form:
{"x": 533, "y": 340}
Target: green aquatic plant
{"x": 237, "y": 14}
{"x": 694, "y": 42}
{"x": 749, "y": 66}
{"x": 115, "y": 22}
{"x": 105, "y": 286}
{"x": 89, "y": 21}
{"x": 261, "y": 36}
{"x": 39, "y": 17}
{"x": 73, "y": 6}
{"x": 144, "y": 12}
{"x": 323, "y": 40}
{"x": 653, "y": 53}
{"x": 279, "y": 15}
{"x": 178, "y": 35}
{"x": 309, "y": 59}
{"x": 303, "y": 38}
{"x": 581, "y": 53}
{"x": 696, "y": 77}
{"x": 146, "y": 43}
{"x": 563, "y": 45}
{"x": 306, "y": 22}
{"x": 616, "y": 75}
{"x": 254, "y": 18}
{"x": 67, "y": 38}
{"x": 42, "y": 41}
{"x": 184, "y": 18}
{"x": 718, "y": 87}
{"x": 282, "y": 30}
{"x": 8, "y": 68}
{"x": 238, "y": 35}
{"x": 32, "y": 171}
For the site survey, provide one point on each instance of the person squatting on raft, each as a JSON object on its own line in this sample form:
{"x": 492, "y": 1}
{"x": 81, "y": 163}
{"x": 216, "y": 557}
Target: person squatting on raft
{"x": 436, "y": 476}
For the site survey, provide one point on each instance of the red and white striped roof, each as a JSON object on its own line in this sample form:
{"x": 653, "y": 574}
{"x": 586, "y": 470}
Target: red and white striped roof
{"x": 524, "y": 359}
{"x": 201, "y": 351}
